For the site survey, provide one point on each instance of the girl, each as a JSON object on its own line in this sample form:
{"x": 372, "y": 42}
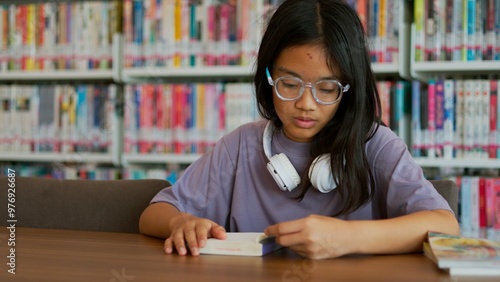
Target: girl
{"x": 319, "y": 171}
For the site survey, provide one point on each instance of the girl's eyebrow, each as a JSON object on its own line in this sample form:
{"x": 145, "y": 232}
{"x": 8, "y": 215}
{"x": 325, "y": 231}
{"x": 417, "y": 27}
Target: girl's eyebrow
{"x": 292, "y": 73}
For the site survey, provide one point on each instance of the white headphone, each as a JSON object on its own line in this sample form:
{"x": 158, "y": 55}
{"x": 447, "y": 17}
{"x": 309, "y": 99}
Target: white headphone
{"x": 285, "y": 174}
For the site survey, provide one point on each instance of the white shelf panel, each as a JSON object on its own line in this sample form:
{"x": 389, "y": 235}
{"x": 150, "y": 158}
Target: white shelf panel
{"x": 57, "y": 75}
{"x": 459, "y": 163}
{"x": 58, "y": 157}
{"x": 160, "y": 158}
{"x": 458, "y": 67}
{"x": 215, "y": 71}
{"x": 385, "y": 68}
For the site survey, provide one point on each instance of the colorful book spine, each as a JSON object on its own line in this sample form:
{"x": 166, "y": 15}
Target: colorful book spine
{"x": 474, "y": 204}
{"x": 415, "y": 119}
{"x": 489, "y": 192}
{"x": 471, "y": 30}
{"x": 449, "y": 119}
{"x": 362, "y": 10}
{"x": 459, "y": 118}
{"x": 373, "y": 28}
{"x": 497, "y": 30}
{"x": 457, "y": 30}
{"x": 3, "y": 37}
{"x": 469, "y": 120}
{"x": 489, "y": 31}
{"x": 465, "y": 207}
{"x": 480, "y": 29}
{"x": 431, "y": 119}
{"x": 424, "y": 121}
{"x": 477, "y": 127}
{"x": 482, "y": 203}
{"x": 138, "y": 35}
{"x": 439, "y": 118}
{"x": 493, "y": 121}
{"x": 496, "y": 209}
{"x": 432, "y": 27}
{"x": 447, "y": 47}
{"x": 484, "y": 118}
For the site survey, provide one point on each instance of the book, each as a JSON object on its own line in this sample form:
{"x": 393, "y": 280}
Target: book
{"x": 241, "y": 244}
{"x": 461, "y": 255}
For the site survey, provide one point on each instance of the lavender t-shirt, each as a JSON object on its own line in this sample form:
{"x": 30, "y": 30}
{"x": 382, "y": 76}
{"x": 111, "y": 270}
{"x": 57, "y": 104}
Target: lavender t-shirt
{"x": 232, "y": 186}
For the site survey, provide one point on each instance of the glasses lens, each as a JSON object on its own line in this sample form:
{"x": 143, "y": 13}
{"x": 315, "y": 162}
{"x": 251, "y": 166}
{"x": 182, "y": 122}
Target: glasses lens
{"x": 288, "y": 87}
{"x": 327, "y": 91}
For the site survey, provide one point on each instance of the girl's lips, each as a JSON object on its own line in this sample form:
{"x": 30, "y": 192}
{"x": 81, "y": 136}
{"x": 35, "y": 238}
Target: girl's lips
{"x": 304, "y": 123}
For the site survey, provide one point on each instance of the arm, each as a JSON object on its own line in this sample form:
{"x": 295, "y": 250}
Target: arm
{"x": 165, "y": 221}
{"x": 156, "y": 219}
{"x": 322, "y": 237}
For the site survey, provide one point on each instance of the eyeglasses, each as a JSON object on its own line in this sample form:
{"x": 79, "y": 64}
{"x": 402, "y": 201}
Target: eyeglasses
{"x": 290, "y": 88}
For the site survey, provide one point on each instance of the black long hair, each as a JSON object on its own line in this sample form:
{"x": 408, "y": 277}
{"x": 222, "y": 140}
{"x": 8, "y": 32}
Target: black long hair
{"x": 334, "y": 25}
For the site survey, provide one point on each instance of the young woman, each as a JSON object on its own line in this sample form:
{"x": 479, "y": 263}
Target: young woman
{"x": 319, "y": 171}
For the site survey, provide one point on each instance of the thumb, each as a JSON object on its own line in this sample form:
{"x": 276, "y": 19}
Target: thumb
{"x": 218, "y": 232}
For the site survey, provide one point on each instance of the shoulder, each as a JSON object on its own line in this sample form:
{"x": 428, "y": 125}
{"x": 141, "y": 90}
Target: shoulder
{"x": 247, "y": 133}
{"x": 385, "y": 140}
{"x": 382, "y": 136}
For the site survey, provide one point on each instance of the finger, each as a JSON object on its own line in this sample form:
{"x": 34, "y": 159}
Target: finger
{"x": 286, "y": 227}
{"x": 167, "y": 246}
{"x": 218, "y": 232}
{"x": 290, "y": 239}
{"x": 191, "y": 240}
{"x": 179, "y": 243}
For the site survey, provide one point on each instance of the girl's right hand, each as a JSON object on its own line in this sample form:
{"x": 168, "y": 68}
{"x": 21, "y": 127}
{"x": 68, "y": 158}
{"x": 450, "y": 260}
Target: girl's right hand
{"x": 192, "y": 231}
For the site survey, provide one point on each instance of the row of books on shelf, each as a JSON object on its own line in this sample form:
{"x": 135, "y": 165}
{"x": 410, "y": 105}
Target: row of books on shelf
{"x": 185, "y": 117}
{"x": 57, "y": 118}
{"x": 170, "y": 172}
{"x": 455, "y": 118}
{"x": 457, "y": 30}
{"x": 58, "y": 35}
{"x": 394, "y": 99}
{"x": 158, "y": 118}
{"x": 479, "y": 205}
{"x": 175, "y": 33}
{"x": 381, "y": 22}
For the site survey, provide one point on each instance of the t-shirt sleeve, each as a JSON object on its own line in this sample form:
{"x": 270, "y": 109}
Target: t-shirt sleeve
{"x": 204, "y": 188}
{"x": 401, "y": 182}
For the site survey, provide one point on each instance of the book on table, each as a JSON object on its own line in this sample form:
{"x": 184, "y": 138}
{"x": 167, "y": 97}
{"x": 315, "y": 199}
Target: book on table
{"x": 241, "y": 244}
{"x": 463, "y": 255}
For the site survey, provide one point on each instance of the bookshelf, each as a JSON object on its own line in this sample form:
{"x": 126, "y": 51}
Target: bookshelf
{"x": 447, "y": 66}
{"x": 120, "y": 74}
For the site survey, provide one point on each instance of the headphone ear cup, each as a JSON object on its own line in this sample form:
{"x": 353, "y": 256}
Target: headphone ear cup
{"x": 320, "y": 174}
{"x": 283, "y": 172}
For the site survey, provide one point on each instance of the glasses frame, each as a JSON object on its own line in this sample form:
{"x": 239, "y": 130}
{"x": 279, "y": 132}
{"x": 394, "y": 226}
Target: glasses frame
{"x": 303, "y": 88}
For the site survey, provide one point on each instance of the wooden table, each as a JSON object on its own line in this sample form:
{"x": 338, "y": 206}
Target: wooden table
{"x": 63, "y": 255}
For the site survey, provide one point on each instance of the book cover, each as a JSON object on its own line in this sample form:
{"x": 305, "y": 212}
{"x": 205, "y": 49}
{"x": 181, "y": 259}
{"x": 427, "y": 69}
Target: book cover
{"x": 241, "y": 244}
{"x": 463, "y": 255}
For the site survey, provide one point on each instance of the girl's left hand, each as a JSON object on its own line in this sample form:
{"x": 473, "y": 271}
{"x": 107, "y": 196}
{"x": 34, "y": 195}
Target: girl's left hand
{"x": 315, "y": 237}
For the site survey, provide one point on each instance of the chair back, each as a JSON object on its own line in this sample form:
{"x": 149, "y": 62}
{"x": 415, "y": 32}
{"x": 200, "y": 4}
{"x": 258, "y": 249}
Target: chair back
{"x": 94, "y": 205}
{"x": 449, "y": 190}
